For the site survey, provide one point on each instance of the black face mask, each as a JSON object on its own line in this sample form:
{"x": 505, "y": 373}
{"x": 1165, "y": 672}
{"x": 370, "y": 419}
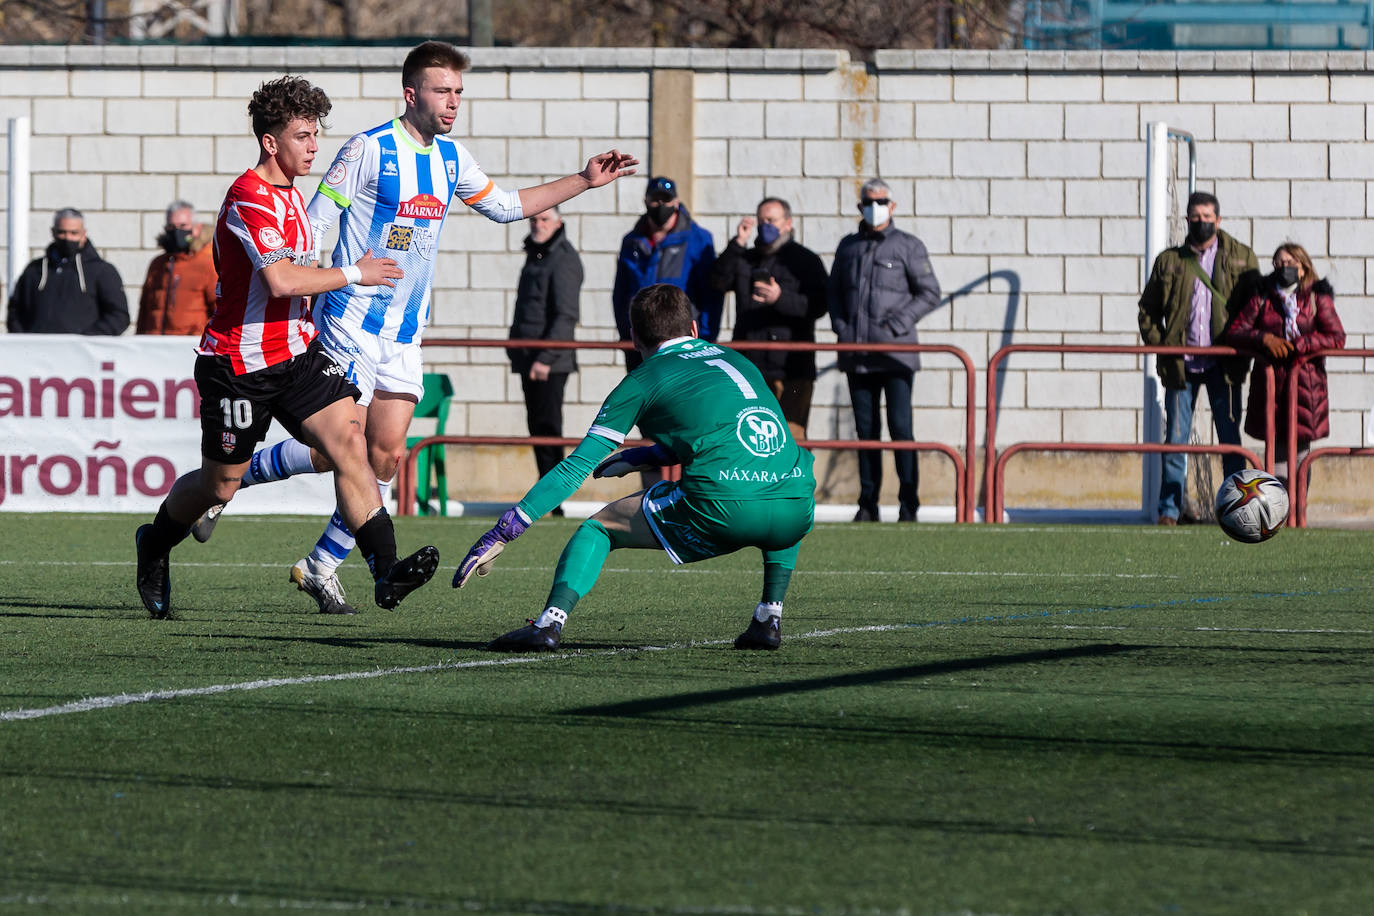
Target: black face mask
{"x": 1200, "y": 230}
{"x": 1287, "y": 274}
{"x": 175, "y": 241}
{"x": 659, "y": 214}
{"x": 68, "y": 248}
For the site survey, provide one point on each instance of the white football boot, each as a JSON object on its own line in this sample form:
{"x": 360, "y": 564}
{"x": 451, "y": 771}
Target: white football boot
{"x": 324, "y": 588}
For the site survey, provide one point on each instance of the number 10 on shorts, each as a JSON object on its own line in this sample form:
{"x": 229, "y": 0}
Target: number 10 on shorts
{"x": 238, "y": 412}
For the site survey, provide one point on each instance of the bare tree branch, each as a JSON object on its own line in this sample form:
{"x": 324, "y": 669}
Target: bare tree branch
{"x": 859, "y": 26}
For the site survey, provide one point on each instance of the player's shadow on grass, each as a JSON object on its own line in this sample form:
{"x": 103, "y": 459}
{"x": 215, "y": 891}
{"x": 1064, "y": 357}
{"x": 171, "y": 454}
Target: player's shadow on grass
{"x": 371, "y": 642}
{"x": 856, "y": 679}
{"x": 44, "y": 609}
{"x": 326, "y": 791}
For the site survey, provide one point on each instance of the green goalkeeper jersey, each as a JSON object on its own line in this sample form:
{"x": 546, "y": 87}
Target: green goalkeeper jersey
{"x": 712, "y": 409}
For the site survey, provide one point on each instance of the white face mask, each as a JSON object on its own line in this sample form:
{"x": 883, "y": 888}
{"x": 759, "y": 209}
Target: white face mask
{"x": 875, "y": 214}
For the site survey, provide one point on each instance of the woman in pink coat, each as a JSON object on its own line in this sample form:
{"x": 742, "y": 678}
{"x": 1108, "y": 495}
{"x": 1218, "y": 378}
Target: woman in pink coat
{"x": 1292, "y": 313}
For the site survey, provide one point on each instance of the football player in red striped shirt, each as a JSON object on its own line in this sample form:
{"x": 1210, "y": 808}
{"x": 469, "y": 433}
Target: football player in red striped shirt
{"x": 259, "y": 358}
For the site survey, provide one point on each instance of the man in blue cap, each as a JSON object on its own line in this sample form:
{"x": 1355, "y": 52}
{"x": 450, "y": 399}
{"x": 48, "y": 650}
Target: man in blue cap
{"x": 666, "y": 246}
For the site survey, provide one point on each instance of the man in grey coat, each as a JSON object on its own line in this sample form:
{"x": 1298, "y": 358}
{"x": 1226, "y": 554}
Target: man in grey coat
{"x": 881, "y": 284}
{"x": 546, "y": 308}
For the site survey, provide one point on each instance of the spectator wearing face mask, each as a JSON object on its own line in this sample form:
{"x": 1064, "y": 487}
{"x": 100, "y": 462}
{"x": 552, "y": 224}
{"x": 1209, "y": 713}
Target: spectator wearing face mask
{"x": 69, "y": 290}
{"x": 547, "y": 306}
{"x": 666, "y": 246}
{"x": 881, "y": 285}
{"x": 1294, "y": 312}
{"x": 1193, "y": 291}
{"x": 779, "y": 288}
{"x": 179, "y": 291}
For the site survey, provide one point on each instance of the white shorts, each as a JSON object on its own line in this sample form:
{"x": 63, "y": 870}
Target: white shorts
{"x": 371, "y": 362}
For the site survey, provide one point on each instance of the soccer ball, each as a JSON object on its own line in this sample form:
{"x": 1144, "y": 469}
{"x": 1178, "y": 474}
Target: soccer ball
{"x": 1252, "y": 505}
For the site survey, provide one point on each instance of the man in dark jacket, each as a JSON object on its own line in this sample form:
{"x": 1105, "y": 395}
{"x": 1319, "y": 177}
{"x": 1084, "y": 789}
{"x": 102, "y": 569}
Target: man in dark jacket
{"x": 69, "y": 290}
{"x": 881, "y": 284}
{"x": 1192, "y": 292}
{"x": 546, "y": 308}
{"x": 666, "y": 246}
{"x": 779, "y": 288}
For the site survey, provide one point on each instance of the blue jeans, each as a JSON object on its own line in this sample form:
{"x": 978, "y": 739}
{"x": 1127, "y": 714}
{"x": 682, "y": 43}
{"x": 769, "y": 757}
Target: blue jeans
{"x": 866, "y": 391}
{"x": 1178, "y": 413}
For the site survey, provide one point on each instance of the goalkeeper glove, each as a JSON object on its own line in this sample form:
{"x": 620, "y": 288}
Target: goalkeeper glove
{"x": 483, "y": 554}
{"x": 644, "y": 458}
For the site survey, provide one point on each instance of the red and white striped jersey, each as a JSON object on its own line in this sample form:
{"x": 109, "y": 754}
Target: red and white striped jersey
{"x": 259, "y": 224}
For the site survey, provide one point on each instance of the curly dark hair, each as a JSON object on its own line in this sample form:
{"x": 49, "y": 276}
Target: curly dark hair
{"x": 431, "y": 54}
{"x": 281, "y": 101}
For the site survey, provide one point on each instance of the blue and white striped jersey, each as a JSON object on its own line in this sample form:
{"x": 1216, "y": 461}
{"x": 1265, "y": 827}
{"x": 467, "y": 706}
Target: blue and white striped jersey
{"x": 394, "y": 196}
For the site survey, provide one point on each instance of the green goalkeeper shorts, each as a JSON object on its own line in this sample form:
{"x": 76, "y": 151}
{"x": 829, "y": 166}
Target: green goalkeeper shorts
{"x": 692, "y": 529}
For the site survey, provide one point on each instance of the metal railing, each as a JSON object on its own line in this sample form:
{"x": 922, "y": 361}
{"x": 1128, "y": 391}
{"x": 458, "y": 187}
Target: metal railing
{"x": 964, "y": 493}
{"x": 994, "y": 465}
{"x": 1297, "y": 477}
{"x": 995, "y": 459}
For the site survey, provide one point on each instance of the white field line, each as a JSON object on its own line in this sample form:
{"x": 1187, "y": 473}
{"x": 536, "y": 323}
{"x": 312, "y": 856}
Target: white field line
{"x": 486, "y": 521}
{"x": 125, "y": 699}
{"x": 679, "y": 571}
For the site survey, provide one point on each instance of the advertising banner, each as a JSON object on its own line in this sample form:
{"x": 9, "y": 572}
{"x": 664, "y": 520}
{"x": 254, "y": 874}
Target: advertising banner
{"x": 106, "y": 424}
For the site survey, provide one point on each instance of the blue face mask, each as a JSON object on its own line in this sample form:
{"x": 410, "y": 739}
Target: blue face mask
{"x": 768, "y": 233}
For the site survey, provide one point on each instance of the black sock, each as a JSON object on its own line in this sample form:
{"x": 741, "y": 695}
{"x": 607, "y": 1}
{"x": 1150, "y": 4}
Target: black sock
{"x": 165, "y": 534}
{"x": 377, "y": 539}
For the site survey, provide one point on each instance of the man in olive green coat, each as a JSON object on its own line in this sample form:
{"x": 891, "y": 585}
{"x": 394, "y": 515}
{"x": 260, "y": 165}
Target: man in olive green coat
{"x": 1192, "y": 292}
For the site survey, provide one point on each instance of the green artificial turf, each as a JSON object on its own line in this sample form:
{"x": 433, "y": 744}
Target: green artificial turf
{"x": 961, "y": 720}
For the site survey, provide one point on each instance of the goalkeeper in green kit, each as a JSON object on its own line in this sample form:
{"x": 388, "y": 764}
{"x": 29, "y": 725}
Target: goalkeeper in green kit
{"x": 745, "y": 481}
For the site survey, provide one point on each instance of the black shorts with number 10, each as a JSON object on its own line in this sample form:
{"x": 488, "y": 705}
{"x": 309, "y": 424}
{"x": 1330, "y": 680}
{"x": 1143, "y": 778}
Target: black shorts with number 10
{"x": 235, "y": 410}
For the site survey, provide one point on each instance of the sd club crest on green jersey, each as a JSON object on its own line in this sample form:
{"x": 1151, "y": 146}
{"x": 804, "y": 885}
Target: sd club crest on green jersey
{"x": 760, "y": 431}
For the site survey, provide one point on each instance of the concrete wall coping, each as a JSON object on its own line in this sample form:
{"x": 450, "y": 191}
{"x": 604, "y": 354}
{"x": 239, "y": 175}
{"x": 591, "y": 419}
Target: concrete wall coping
{"x": 1128, "y": 61}
{"x": 317, "y": 57}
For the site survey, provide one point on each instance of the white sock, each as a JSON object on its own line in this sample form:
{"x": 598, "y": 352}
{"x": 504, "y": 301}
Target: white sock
{"x": 767, "y": 609}
{"x": 278, "y": 462}
{"x": 551, "y": 616}
{"x": 337, "y": 542}
{"x": 334, "y": 545}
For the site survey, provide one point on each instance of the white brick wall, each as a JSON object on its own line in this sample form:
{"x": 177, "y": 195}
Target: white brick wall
{"x": 991, "y": 159}
{"x": 1101, "y": 122}
{"x": 1023, "y": 174}
{"x": 1022, "y": 197}
{"x": 958, "y": 121}
{"x": 1025, "y": 120}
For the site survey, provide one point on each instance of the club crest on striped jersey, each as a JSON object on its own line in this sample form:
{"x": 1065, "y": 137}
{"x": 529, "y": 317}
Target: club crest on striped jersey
{"x": 417, "y": 239}
{"x": 422, "y": 206}
{"x": 353, "y": 151}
